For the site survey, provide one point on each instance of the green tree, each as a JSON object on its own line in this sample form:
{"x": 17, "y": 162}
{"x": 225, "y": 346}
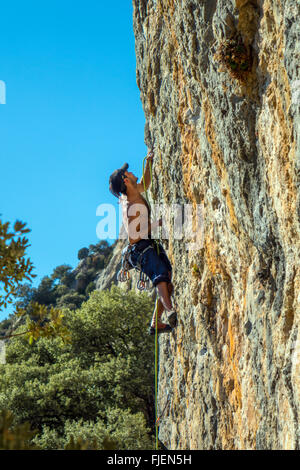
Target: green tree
{"x": 21, "y": 437}
{"x": 103, "y": 248}
{"x": 64, "y": 275}
{"x": 71, "y": 299}
{"x": 14, "y": 267}
{"x": 45, "y": 293}
{"x": 120, "y": 430}
{"x": 103, "y": 378}
{"x": 24, "y": 295}
{"x": 90, "y": 287}
{"x": 14, "y": 437}
{"x": 5, "y": 326}
{"x": 83, "y": 253}
{"x": 100, "y": 248}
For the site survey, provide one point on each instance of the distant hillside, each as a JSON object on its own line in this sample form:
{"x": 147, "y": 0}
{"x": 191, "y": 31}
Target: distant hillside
{"x": 65, "y": 287}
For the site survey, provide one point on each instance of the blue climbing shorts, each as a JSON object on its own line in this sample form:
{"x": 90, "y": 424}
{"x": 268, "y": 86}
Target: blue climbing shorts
{"x": 155, "y": 266}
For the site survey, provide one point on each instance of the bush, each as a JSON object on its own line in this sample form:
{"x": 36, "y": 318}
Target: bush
{"x": 83, "y": 253}
{"x": 71, "y": 300}
{"x": 90, "y": 287}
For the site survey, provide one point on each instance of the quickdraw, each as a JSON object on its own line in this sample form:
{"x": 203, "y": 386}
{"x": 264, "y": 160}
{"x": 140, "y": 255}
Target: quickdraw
{"x": 144, "y": 282}
{"x": 157, "y": 422}
{"x": 124, "y": 274}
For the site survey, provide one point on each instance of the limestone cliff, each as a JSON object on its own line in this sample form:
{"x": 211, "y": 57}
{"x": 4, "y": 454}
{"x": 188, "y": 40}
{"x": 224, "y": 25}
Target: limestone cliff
{"x": 220, "y": 89}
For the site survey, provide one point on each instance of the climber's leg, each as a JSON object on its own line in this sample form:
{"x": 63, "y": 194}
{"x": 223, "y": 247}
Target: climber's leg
{"x": 164, "y": 295}
{"x": 160, "y": 309}
{"x": 170, "y": 286}
{"x": 158, "y": 268}
{"x": 164, "y": 302}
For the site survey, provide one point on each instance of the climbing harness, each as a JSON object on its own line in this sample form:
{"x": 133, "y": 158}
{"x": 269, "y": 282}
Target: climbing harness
{"x": 144, "y": 281}
{"x": 124, "y": 275}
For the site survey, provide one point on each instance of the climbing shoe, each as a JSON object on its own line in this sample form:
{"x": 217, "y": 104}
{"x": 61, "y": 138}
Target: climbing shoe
{"x": 160, "y": 329}
{"x": 172, "y": 319}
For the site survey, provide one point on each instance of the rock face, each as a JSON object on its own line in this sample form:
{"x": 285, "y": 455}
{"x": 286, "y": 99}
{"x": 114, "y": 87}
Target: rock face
{"x": 220, "y": 89}
{"x": 108, "y": 276}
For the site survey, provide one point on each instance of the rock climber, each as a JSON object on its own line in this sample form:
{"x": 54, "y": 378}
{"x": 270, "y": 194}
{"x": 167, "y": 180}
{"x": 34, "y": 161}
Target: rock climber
{"x": 142, "y": 249}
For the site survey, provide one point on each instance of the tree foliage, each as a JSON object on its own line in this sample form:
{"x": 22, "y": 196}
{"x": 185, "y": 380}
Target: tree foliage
{"x": 99, "y": 385}
{"x": 14, "y": 437}
{"x": 79, "y": 364}
{"x": 66, "y": 287}
{"x": 14, "y": 267}
{"x": 83, "y": 253}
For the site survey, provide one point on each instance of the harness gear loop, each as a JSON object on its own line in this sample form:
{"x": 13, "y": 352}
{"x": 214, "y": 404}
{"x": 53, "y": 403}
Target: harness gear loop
{"x": 124, "y": 275}
{"x": 144, "y": 282}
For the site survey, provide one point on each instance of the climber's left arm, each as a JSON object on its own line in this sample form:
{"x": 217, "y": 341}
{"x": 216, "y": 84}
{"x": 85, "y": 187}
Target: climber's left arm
{"x": 147, "y": 176}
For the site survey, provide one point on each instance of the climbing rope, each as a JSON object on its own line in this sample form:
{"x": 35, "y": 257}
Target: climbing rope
{"x": 144, "y": 283}
{"x": 156, "y": 379}
{"x": 156, "y": 319}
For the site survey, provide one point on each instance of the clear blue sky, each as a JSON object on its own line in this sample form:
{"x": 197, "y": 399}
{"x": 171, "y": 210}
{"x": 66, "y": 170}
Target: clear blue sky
{"x": 72, "y": 116}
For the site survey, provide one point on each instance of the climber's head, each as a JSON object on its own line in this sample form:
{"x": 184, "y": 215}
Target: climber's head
{"x": 122, "y": 180}
{"x": 117, "y": 184}
{"x": 130, "y": 180}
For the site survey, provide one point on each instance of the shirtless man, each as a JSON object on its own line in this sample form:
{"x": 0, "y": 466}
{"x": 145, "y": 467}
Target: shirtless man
{"x": 157, "y": 267}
